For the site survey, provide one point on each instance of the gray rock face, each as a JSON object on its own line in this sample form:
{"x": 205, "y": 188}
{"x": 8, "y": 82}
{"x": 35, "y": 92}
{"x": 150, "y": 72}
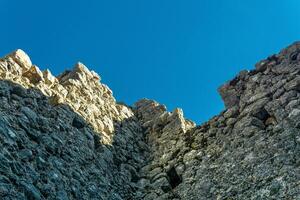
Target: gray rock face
{"x": 49, "y": 152}
{"x": 65, "y": 137}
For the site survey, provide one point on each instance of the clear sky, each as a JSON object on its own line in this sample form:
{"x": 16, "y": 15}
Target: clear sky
{"x": 176, "y": 52}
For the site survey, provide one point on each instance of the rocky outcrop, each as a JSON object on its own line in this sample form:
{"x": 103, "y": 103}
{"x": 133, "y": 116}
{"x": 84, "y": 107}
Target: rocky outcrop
{"x": 79, "y": 88}
{"x": 65, "y": 137}
{"x": 50, "y": 152}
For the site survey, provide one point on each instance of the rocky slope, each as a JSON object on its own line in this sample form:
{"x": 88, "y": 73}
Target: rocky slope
{"x": 66, "y": 137}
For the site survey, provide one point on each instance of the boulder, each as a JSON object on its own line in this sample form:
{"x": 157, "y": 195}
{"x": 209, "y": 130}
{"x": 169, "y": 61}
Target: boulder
{"x": 21, "y": 58}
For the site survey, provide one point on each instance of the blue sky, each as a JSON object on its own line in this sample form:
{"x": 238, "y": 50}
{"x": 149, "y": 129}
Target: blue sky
{"x": 176, "y": 52}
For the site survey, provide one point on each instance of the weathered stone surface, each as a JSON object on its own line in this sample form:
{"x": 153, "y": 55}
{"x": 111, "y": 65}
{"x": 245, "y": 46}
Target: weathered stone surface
{"x": 67, "y": 138}
{"x": 34, "y": 74}
{"x": 79, "y": 88}
{"x": 44, "y": 148}
{"x": 21, "y": 58}
{"x": 229, "y": 95}
{"x": 49, "y": 78}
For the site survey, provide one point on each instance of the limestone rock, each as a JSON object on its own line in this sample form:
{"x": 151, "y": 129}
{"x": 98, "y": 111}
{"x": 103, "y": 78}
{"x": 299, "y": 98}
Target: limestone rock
{"x": 48, "y": 77}
{"x": 20, "y": 57}
{"x": 66, "y": 137}
{"x": 34, "y": 74}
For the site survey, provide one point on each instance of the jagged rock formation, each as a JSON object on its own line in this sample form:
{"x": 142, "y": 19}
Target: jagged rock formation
{"x": 79, "y": 88}
{"x": 66, "y": 137}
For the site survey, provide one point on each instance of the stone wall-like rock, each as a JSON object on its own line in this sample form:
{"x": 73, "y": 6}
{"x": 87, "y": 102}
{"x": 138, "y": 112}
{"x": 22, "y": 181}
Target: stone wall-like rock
{"x": 79, "y": 88}
{"x": 50, "y": 152}
{"x": 249, "y": 151}
{"x": 66, "y": 137}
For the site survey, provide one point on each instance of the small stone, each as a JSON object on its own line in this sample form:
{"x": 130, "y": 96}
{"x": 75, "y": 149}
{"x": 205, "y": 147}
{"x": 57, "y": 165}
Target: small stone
{"x": 11, "y": 133}
{"x": 189, "y": 156}
{"x": 180, "y": 169}
{"x": 232, "y": 112}
{"x": 30, "y": 114}
{"x": 155, "y": 171}
{"x": 56, "y": 100}
{"x": 261, "y": 66}
{"x": 293, "y": 84}
{"x": 41, "y": 163}
{"x": 31, "y": 192}
{"x": 151, "y": 196}
{"x": 25, "y": 154}
{"x": 142, "y": 183}
{"x": 231, "y": 121}
{"x": 3, "y": 66}
{"x": 162, "y": 183}
{"x": 295, "y": 112}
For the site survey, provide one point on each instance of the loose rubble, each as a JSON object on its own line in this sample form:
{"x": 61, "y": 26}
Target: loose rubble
{"x": 66, "y": 137}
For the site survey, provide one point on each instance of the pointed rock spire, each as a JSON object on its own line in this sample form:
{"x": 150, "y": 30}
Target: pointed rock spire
{"x": 79, "y": 72}
{"x": 49, "y": 78}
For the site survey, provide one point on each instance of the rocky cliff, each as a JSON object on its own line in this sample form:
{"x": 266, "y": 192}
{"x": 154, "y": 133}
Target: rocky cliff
{"x": 65, "y": 137}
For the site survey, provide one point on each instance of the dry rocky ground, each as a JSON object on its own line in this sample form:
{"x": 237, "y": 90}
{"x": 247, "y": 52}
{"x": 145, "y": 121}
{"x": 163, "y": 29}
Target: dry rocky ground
{"x": 66, "y": 137}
